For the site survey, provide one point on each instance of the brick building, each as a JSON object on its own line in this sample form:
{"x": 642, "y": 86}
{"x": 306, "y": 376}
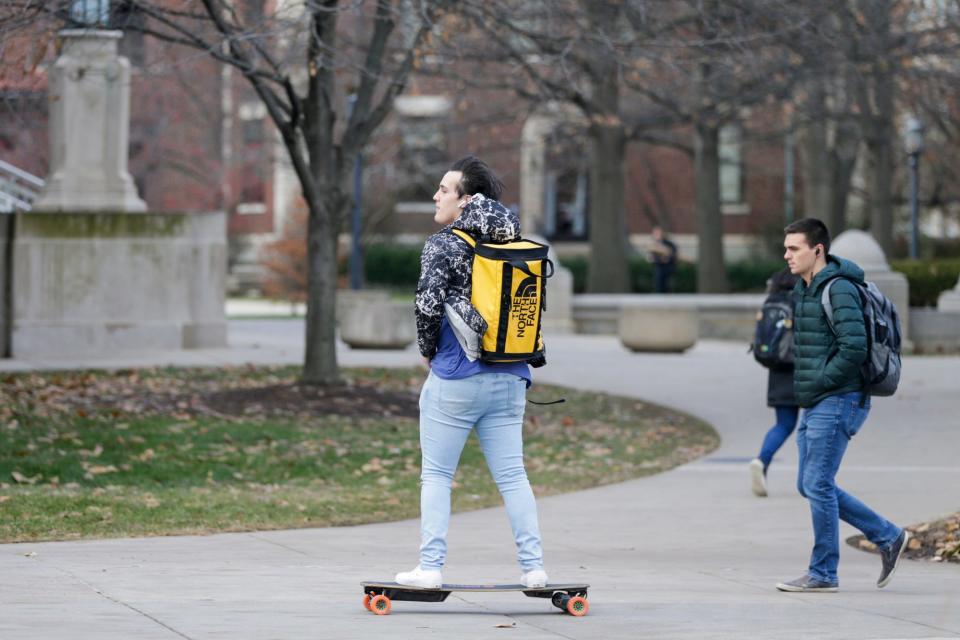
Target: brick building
{"x": 200, "y": 140}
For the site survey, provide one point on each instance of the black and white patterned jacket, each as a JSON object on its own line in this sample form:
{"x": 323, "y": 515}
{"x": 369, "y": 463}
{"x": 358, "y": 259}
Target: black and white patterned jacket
{"x": 446, "y": 265}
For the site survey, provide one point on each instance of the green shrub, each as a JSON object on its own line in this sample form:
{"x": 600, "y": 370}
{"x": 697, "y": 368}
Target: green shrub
{"x": 744, "y": 276}
{"x": 928, "y": 278}
{"x": 396, "y": 266}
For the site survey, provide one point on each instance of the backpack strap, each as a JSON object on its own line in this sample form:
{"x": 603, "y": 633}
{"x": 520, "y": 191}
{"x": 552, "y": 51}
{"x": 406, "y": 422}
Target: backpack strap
{"x": 827, "y": 305}
{"x": 828, "y": 310}
{"x": 466, "y": 237}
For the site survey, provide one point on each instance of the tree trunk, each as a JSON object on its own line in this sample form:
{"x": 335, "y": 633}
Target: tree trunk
{"x": 879, "y": 111}
{"x": 711, "y": 271}
{"x": 324, "y": 202}
{"x": 609, "y": 244}
{"x": 843, "y": 162}
{"x": 814, "y": 155}
{"x": 609, "y": 237}
{"x": 880, "y": 163}
{"x": 320, "y": 357}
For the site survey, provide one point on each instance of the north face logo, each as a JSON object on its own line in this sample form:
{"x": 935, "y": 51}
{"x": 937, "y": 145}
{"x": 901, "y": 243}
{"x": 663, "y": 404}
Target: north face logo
{"x": 525, "y": 305}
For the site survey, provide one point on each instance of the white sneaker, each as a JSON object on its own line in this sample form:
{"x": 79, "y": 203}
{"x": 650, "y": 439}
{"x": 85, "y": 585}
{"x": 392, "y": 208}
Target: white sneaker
{"x": 758, "y": 479}
{"x": 423, "y": 578}
{"x": 534, "y": 579}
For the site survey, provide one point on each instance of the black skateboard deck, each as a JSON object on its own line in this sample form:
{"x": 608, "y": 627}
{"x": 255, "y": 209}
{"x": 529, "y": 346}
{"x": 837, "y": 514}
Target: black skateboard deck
{"x": 378, "y": 596}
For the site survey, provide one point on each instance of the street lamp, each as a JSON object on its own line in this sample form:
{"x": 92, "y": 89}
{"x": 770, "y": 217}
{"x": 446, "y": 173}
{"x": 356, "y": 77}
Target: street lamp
{"x": 913, "y": 142}
{"x": 90, "y": 13}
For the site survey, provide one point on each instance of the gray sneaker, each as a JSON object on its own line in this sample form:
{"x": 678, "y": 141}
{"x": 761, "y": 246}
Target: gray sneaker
{"x": 758, "y": 478}
{"x": 891, "y": 558}
{"x": 808, "y": 583}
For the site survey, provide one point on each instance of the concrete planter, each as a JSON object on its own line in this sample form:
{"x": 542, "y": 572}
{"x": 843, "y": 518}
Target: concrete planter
{"x": 378, "y": 324}
{"x": 660, "y": 329}
{"x": 347, "y": 299}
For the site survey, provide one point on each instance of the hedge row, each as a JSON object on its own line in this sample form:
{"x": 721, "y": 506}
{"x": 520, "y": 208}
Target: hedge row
{"x": 928, "y": 278}
{"x": 398, "y": 266}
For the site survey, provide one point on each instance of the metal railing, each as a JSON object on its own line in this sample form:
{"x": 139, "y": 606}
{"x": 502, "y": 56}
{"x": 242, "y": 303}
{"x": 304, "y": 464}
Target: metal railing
{"x": 18, "y": 189}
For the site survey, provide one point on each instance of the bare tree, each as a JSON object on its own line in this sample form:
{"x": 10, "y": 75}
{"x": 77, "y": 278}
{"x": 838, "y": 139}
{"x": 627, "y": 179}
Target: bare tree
{"x": 327, "y": 72}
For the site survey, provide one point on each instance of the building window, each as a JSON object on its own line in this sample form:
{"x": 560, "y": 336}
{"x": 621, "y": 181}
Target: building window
{"x": 732, "y": 200}
{"x": 731, "y": 164}
{"x": 566, "y": 205}
{"x": 422, "y": 157}
{"x": 566, "y": 186}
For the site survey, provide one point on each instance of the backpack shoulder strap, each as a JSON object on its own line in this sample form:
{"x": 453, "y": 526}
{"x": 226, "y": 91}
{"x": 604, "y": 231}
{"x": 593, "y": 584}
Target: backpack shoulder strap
{"x": 466, "y": 237}
{"x": 826, "y": 304}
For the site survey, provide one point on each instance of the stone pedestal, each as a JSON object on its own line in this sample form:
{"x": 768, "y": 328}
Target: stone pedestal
{"x": 89, "y": 94}
{"x": 663, "y": 329}
{"x": 96, "y": 284}
{"x": 862, "y": 248}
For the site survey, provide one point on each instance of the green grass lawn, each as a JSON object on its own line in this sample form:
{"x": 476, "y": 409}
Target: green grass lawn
{"x": 175, "y": 451}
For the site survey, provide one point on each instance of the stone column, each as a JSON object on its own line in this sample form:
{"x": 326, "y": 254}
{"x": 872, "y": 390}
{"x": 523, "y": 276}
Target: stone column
{"x": 533, "y": 176}
{"x": 89, "y": 94}
{"x": 862, "y": 248}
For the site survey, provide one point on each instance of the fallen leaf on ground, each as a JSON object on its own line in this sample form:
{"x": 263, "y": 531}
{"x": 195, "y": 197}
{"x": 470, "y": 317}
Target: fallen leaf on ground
{"x": 99, "y": 469}
{"x": 22, "y": 479}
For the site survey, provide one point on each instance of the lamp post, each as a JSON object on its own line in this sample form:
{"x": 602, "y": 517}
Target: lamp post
{"x": 913, "y": 142}
{"x": 90, "y": 13}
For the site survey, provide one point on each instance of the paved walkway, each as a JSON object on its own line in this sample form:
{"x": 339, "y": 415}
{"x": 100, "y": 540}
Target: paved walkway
{"x": 685, "y": 554}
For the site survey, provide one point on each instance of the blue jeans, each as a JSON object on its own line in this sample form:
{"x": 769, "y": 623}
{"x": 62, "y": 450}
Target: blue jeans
{"x": 778, "y": 433}
{"x": 824, "y": 432}
{"x": 449, "y": 409}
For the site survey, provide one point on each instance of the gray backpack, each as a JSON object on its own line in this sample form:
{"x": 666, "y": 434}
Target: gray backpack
{"x": 881, "y": 370}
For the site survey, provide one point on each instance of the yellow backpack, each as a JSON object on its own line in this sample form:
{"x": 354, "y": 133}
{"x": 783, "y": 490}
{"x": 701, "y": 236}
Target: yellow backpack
{"x": 509, "y": 291}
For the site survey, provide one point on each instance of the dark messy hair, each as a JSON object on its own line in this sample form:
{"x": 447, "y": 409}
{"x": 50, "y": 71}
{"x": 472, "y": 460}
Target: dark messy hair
{"x": 813, "y": 230}
{"x": 782, "y": 280}
{"x": 477, "y": 178}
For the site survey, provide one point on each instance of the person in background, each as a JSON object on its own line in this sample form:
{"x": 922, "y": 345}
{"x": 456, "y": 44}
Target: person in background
{"x": 779, "y": 388}
{"x": 829, "y": 385}
{"x": 663, "y": 255}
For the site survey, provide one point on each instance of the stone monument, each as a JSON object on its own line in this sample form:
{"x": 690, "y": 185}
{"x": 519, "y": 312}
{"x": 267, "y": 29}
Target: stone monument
{"x": 93, "y": 272}
{"x": 949, "y": 301}
{"x": 862, "y": 248}
{"x": 89, "y": 95}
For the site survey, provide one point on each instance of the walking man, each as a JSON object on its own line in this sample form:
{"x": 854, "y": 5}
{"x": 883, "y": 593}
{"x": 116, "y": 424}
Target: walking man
{"x": 663, "y": 255}
{"x": 830, "y": 389}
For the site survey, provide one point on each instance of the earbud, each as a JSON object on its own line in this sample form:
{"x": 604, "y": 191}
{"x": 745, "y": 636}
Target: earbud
{"x": 818, "y": 252}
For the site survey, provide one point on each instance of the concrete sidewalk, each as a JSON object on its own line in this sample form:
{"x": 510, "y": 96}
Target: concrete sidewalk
{"x": 685, "y": 554}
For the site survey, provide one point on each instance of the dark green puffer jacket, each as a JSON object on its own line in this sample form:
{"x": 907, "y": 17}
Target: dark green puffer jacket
{"x": 828, "y": 365}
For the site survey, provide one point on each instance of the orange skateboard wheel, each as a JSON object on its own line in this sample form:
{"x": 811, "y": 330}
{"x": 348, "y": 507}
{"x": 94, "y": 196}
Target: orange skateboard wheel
{"x": 380, "y": 605}
{"x": 366, "y": 602}
{"x": 578, "y": 606}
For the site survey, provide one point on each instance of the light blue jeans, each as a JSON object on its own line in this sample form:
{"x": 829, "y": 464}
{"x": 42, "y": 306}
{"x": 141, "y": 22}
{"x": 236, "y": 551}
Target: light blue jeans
{"x": 822, "y": 438}
{"x": 449, "y": 410}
